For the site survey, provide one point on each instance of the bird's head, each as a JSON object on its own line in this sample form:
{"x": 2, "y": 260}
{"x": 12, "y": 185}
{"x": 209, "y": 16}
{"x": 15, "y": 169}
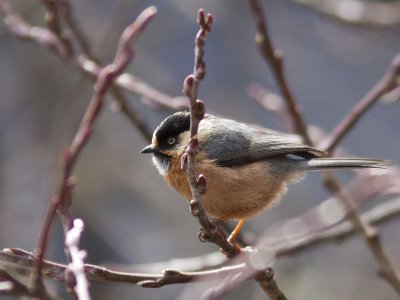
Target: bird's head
{"x": 169, "y": 140}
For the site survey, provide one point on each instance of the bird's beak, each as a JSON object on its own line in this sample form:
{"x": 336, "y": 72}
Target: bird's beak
{"x": 150, "y": 149}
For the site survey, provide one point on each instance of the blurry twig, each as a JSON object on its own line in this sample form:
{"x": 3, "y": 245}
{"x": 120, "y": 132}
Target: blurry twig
{"x": 10, "y": 285}
{"x": 384, "y": 13}
{"x": 53, "y": 20}
{"x": 389, "y": 82}
{"x": 275, "y": 60}
{"x": 370, "y": 234}
{"x": 84, "y": 62}
{"x": 270, "y": 102}
{"x": 77, "y": 266}
{"x": 61, "y": 201}
{"x": 56, "y": 271}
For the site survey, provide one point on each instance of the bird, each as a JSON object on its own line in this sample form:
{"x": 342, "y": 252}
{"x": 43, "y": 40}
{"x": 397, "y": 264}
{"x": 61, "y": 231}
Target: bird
{"x": 247, "y": 168}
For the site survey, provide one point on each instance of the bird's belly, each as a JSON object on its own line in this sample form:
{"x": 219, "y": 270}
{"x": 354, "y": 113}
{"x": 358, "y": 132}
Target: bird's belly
{"x": 232, "y": 193}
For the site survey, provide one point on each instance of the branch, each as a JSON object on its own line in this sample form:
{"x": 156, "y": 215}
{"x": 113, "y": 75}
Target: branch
{"x": 61, "y": 201}
{"x": 210, "y": 231}
{"x": 86, "y": 62}
{"x": 24, "y": 261}
{"x": 378, "y": 214}
{"x": 369, "y": 233}
{"x": 56, "y": 271}
{"x": 76, "y": 266}
{"x": 275, "y": 60}
{"x": 389, "y": 82}
{"x": 271, "y": 102}
{"x": 381, "y": 13}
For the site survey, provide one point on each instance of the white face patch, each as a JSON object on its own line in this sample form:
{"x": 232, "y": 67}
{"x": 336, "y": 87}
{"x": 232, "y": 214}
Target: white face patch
{"x": 161, "y": 165}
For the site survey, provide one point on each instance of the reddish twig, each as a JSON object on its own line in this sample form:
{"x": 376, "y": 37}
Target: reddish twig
{"x": 22, "y": 259}
{"x": 369, "y": 233}
{"x": 86, "y": 62}
{"x": 56, "y": 271}
{"x": 275, "y": 60}
{"x": 389, "y": 82}
{"x": 53, "y": 21}
{"x": 210, "y": 231}
{"x": 60, "y": 202}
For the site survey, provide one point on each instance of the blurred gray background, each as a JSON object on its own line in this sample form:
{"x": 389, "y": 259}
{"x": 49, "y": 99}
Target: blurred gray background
{"x": 132, "y": 217}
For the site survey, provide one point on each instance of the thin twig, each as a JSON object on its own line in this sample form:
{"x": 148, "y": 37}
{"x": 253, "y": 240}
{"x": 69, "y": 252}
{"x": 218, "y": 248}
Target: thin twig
{"x": 380, "y": 13}
{"x": 389, "y": 82}
{"x": 54, "y": 24}
{"x": 77, "y": 266}
{"x": 369, "y": 233}
{"x": 210, "y": 231}
{"x": 85, "y": 62}
{"x": 56, "y": 271}
{"x": 275, "y": 60}
{"x": 24, "y": 259}
{"x": 60, "y": 202}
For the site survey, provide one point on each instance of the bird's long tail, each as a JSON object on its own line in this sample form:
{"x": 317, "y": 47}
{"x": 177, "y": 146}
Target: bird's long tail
{"x": 317, "y": 164}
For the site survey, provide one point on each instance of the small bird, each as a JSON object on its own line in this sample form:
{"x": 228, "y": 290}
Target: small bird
{"x": 247, "y": 169}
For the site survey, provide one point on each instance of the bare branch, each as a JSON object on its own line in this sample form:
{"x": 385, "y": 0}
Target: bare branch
{"x": 76, "y": 266}
{"x": 198, "y": 185}
{"x": 381, "y": 13}
{"x": 61, "y": 201}
{"x": 389, "y": 82}
{"x": 86, "y": 62}
{"x": 275, "y": 60}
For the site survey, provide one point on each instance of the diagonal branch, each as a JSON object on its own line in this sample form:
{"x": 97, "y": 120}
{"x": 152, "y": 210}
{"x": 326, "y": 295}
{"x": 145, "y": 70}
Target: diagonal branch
{"x": 61, "y": 201}
{"x": 389, "y": 82}
{"x": 275, "y": 60}
{"x": 85, "y": 62}
{"x": 369, "y": 233}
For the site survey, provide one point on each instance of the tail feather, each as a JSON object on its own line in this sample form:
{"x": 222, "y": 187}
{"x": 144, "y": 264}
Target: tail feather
{"x": 316, "y": 164}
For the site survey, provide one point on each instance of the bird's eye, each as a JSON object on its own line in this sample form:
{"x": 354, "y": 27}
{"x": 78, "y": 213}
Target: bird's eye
{"x": 171, "y": 140}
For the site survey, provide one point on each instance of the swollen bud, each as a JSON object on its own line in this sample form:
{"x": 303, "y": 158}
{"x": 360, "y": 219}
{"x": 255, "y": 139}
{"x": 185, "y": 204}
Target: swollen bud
{"x": 202, "y": 184}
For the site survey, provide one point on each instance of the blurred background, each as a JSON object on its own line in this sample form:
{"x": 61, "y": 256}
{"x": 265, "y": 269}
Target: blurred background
{"x": 131, "y": 216}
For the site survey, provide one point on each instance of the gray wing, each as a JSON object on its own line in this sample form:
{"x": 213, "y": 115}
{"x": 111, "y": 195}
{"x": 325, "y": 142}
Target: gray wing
{"x": 232, "y": 144}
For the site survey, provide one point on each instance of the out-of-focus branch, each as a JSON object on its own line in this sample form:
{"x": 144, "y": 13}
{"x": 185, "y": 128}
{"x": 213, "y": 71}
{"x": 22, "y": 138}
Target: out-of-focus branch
{"x": 378, "y": 214}
{"x": 270, "y": 102}
{"x": 370, "y": 234}
{"x": 383, "y": 13}
{"x": 389, "y": 82}
{"x": 54, "y": 23}
{"x": 275, "y": 60}
{"x": 61, "y": 201}
{"x": 85, "y": 62}
{"x": 77, "y": 266}
{"x": 10, "y": 285}
{"x": 24, "y": 261}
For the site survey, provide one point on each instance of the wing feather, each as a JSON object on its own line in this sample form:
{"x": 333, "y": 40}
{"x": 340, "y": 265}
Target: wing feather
{"x": 232, "y": 144}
